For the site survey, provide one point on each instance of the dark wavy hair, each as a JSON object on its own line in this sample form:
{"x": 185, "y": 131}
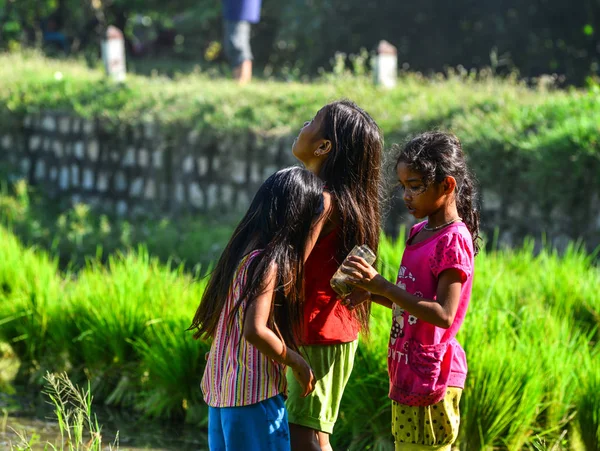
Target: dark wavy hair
{"x": 279, "y": 222}
{"x": 352, "y": 173}
{"x": 437, "y": 155}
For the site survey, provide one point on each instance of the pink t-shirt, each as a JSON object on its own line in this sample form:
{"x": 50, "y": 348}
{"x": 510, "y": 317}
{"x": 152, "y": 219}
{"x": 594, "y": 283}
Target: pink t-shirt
{"x": 423, "y": 359}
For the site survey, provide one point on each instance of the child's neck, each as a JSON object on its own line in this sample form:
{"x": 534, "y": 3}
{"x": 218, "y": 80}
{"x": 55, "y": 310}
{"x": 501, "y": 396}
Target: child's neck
{"x": 314, "y": 166}
{"x": 445, "y": 214}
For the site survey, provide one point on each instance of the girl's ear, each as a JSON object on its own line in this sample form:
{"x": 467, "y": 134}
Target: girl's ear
{"x": 324, "y": 148}
{"x": 449, "y": 184}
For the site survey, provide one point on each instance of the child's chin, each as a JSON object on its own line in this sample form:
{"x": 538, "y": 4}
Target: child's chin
{"x": 298, "y": 158}
{"x": 294, "y": 152}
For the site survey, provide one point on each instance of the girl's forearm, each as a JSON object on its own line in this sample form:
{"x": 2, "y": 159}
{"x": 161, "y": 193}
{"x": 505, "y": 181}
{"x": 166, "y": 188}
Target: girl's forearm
{"x": 269, "y": 344}
{"x": 257, "y": 332}
{"x": 425, "y": 309}
{"x": 381, "y": 300}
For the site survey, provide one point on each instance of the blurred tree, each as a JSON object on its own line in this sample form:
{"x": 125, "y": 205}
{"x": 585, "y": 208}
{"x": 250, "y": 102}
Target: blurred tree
{"x": 24, "y": 20}
{"x": 536, "y": 36}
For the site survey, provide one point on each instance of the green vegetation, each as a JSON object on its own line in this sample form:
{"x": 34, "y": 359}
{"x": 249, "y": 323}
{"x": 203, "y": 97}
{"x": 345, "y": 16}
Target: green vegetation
{"x": 117, "y": 315}
{"x": 32, "y": 83}
{"x": 520, "y": 140}
{"x": 78, "y": 426}
{"x": 531, "y": 342}
{"x": 74, "y": 233}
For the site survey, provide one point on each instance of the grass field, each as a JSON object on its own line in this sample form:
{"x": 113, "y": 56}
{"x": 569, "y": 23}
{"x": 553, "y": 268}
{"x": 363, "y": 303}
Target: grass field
{"x": 531, "y": 338}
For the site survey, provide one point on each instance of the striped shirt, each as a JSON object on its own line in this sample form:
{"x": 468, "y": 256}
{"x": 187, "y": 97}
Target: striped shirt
{"x": 236, "y": 373}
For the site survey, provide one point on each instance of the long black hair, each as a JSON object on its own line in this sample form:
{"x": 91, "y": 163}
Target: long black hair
{"x": 436, "y": 155}
{"x": 278, "y": 221}
{"x": 352, "y": 173}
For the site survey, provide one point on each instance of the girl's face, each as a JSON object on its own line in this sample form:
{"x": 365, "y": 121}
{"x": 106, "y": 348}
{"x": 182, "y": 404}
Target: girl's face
{"x": 308, "y": 146}
{"x": 421, "y": 200}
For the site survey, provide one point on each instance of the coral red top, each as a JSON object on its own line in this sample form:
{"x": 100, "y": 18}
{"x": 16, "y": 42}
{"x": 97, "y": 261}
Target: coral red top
{"x": 326, "y": 321}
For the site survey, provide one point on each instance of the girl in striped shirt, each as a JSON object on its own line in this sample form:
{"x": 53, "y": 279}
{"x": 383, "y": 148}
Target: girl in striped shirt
{"x": 251, "y": 309}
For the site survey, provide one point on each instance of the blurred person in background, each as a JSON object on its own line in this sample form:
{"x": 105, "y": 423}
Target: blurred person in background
{"x": 238, "y": 16}
{"x": 52, "y": 33}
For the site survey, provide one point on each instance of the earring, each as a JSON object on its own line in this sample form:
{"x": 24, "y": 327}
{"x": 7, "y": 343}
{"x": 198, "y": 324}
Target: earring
{"x": 318, "y": 152}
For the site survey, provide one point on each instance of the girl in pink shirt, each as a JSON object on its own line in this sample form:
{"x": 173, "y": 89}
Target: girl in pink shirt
{"x": 427, "y": 366}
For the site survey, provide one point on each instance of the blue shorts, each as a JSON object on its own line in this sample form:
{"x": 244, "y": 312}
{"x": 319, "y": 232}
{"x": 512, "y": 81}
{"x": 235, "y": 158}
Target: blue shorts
{"x": 261, "y": 426}
{"x": 237, "y": 42}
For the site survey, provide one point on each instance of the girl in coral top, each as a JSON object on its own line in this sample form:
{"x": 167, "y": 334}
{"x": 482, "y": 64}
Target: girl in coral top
{"x": 342, "y": 145}
{"x": 427, "y": 366}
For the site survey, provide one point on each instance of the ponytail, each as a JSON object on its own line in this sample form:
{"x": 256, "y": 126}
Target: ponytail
{"x": 466, "y": 200}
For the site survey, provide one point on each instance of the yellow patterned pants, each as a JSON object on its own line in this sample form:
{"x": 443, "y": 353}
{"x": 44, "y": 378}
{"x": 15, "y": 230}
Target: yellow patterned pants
{"x": 427, "y": 428}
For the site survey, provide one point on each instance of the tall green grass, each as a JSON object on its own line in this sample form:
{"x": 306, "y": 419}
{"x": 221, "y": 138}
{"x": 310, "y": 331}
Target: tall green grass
{"x": 30, "y": 288}
{"x": 588, "y": 399}
{"x": 78, "y": 426}
{"x": 530, "y": 324}
{"x": 114, "y": 306}
{"x": 530, "y": 335}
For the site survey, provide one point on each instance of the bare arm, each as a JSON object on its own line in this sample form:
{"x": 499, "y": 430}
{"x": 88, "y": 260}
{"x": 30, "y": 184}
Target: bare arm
{"x": 439, "y": 312}
{"x": 267, "y": 341}
{"x": 358, "y": 296}
{"x": 382, "y": 301}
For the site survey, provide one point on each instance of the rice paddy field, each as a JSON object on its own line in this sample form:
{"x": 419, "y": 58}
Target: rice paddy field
{"x": 108, "y": 302}
{"x": 531, "y": 337}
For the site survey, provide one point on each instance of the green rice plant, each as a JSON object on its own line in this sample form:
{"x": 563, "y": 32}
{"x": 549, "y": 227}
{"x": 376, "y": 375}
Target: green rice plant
{"x": 367, "y": 393}
{"x": 504, "y": 390}
{"x": 111, "y": 307}
{"x": 562, "y": 283}
{"x": 566, "y": 284}
{"x": 523, "y": 310}
{"x": 30, "y": 288}
{"x": 390, "y": 254}
{"x": 502, "y": 397}
{"x": 530, "y": 336}
{"x": 172, "y": 364}
{"x": 588, "y": 401}
{"x": 561, "y": 347}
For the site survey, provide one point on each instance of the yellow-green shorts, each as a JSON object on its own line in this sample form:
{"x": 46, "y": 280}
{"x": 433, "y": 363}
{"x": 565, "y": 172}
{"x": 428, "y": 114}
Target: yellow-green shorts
{"x": 332, "y": 365}
{"x": 427, "y": 428}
